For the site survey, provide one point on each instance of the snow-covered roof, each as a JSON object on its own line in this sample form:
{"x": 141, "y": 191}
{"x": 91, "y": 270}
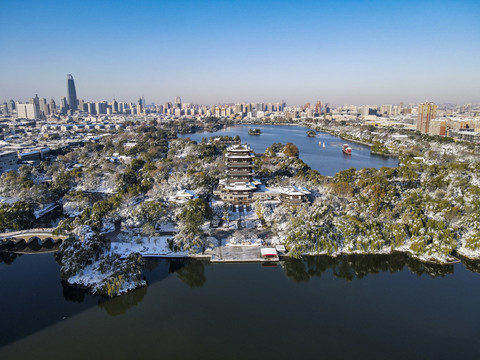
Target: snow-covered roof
{"x": 294, "y": 190}
{"x": 240, "y": 148}
{"x": 241, "y": 186}
{"x": 185, "y": 194}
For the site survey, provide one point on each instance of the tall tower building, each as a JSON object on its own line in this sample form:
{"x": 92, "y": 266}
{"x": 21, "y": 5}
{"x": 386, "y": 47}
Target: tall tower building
{"x": 53, "y": 107}
{"x": 239, "y": 185}
{"x": 178, "y": 103}
{"x": 426, "y": 113}
{"x": 71, "y": 93}
{"x": 115, "y": 106}
{"x": 63, "y": 106}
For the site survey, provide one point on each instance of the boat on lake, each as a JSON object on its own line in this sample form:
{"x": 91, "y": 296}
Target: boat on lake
{"x": 254, "y": 132}
{"x": 347, "y": 149}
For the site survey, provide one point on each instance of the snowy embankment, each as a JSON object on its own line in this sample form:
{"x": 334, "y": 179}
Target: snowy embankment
{"x": 93, "y": 278}
{"x": 86, "y": 260}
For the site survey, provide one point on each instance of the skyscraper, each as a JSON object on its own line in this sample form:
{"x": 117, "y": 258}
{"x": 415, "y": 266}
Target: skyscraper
{"x": 63, "y": 106}
{"x": 178, "y": 103}
{"x": 71, "y": 93}
{"x": 426, "y": 113}
{"x": 53, "y": 107}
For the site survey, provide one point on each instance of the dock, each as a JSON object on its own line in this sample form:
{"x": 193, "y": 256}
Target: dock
{"x": 242, "y": 254}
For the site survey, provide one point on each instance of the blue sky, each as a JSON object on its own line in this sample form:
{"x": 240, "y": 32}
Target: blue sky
{"x": 360, "y": 52}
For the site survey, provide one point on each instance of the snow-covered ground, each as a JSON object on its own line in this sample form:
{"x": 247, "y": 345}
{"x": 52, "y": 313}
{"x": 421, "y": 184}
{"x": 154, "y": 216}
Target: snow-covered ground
{"x": 93, "y": 278}
{"x": 154, "y": 246}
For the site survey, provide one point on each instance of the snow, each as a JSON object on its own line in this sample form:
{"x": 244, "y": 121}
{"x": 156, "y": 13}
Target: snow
{"x": 169, "y": 227}
{"x": 155, "y": 246}
{"x": 92, "y": 277}
{"x": 44, "y": 209}
{"x": 74, "y": 208}
{"x": 243, "y": 238}
{"x": 8, "y": 200}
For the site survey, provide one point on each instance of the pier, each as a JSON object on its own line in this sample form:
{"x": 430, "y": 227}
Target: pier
{"x": 242, "y": 254}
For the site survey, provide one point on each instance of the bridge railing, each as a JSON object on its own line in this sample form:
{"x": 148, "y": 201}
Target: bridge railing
{"x": 28, "y": 231}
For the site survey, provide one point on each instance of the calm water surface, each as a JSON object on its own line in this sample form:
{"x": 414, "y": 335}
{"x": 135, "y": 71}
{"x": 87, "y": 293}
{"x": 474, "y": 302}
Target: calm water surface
{"x": 328, "y": 160}
{"x": 362, "y": 307}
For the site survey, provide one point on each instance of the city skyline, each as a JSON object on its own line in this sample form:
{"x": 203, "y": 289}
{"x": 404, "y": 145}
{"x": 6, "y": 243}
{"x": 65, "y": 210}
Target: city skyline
{"x": 224, "y": 52}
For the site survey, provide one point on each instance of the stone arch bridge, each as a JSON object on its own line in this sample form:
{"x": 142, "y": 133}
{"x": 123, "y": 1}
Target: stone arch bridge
{"x": 36, "y": 240}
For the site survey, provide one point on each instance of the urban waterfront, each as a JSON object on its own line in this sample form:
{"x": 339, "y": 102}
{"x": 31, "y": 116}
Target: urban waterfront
{"x": 364, "y": 307}
{"x": 327, "y": 160}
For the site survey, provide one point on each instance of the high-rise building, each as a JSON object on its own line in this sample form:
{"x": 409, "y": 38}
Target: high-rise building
{"x": 178, "y": 103}
{"x": 71, "y": 93}
{"x": 426, "y": 113}
{"x": 36, "y": 103}
{"x": 91, "y": 109}
{"x": 63, "y": 106}
{"x": 101, "y": 107}
{"x": 238, "y": 108}
{"x": 318, "y": 107}
{"x": 53, "y": 107}
{"x": 115, "y": 106}
{"x": 44, "y": 107}
{"x": 27, "y": 111}
{"x": 11, "y": 106}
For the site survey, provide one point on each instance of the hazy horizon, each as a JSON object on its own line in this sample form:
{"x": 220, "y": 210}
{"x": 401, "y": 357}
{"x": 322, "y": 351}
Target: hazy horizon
{"x": 344, "y": 52}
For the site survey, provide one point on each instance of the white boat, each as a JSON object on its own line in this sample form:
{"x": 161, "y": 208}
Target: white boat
{"x": 323, "y": 144}
{"x": 347, "y": 150}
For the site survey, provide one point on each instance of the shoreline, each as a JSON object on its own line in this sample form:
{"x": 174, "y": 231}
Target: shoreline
{"x": 427, "y": 259}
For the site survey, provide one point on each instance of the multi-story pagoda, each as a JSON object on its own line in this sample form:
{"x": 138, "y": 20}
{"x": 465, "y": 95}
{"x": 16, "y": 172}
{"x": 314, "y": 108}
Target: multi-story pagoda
{"x": 239, "y": 185}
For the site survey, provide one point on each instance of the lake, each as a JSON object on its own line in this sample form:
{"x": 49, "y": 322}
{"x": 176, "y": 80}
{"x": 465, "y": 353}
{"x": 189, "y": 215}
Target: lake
{"x": 327, "y": 160}
{"x": 354, "y": 307}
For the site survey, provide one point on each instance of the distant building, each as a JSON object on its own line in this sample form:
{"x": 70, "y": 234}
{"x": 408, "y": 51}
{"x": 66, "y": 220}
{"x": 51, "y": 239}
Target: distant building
{"x": 139, "y": 108}
{"x": 8, "y": 160}
{"x": 53, "y": 107}
{"x": 63, "y": 106}
{"x": 101, "y": 107}
{"x": 71, "y": 94}
{"x": 178, "y": 103}
{"x": 115, "y": 106}
{"x": 438, "y": 127}
{"x": 426, "y": 113}
{"x": 91, "y": 109}
{"x": 11, "y": 106}
{"x": 27, "y": 111}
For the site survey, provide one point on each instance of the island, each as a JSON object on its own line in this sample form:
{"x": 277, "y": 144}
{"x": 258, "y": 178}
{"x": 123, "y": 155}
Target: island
{"x": 311, "y": 133}
{"x": 254, "y": 132}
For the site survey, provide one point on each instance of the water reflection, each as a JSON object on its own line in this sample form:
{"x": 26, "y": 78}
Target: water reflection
{"x": 472, "y": 265}
{"x": 73, "y": 293}
{"x": 8, "y": 257}
{"x": 120, "y": 304}
{"x": 351, "y": 267}
{"x": 193, "y": 273}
